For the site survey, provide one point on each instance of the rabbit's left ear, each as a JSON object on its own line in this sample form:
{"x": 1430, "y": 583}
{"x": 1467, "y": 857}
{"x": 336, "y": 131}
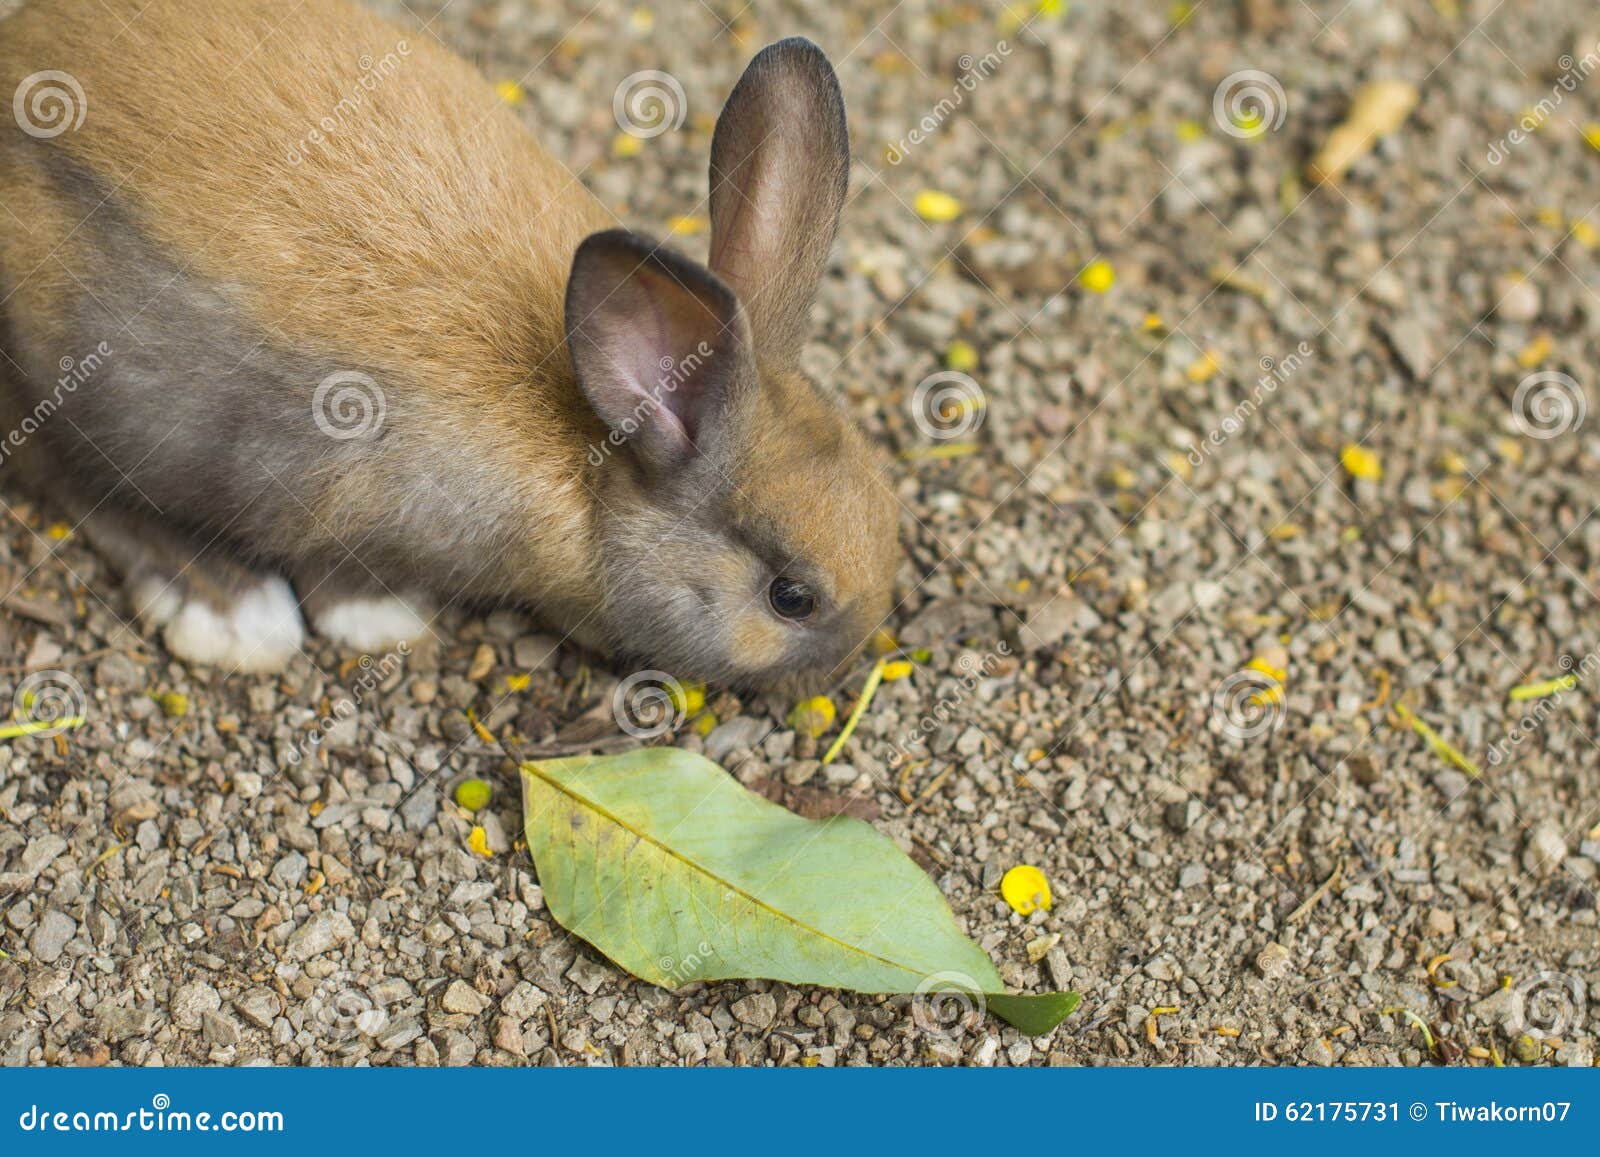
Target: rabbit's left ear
{"x": 780, "y": 165}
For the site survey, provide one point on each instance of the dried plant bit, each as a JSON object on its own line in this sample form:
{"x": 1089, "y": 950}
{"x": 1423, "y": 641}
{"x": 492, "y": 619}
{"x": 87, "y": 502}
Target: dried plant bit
{"x": 868, "y": 690}
{"x": 1380, "y": 676}
{"x": 1152, "y": 1030}
{"x": 884, "y": 642}
{"x": 1225, "y": 1030}
{"x": 1040, "y": 948}
{"x": 1026, "y": 889}
{"x": 37, "y": 726}
{"x": 936, "y": 453}
{"x": 1433, "y": 971}
{"x": 479, "y": 729}
{"x": 1379, "y": 109}
{"x": 1542, "y": 689}
{"x": 1413, "y": 1018}
{"x": 813, "y": 716}
{"x": 1441, "y": 746}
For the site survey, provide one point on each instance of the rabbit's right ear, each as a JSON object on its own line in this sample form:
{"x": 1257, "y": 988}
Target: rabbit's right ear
{"x": 780, "y": 166}
{"x": 660, "y": 347}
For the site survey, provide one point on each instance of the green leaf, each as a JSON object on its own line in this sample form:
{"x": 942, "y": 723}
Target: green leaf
{"x": 663, "y": 862}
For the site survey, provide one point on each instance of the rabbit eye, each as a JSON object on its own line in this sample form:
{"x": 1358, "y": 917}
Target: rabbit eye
{"x": 791, "y": 599}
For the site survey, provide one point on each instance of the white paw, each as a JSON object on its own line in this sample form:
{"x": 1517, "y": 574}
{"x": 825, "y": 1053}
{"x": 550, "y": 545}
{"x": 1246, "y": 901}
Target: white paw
{"x": 261, "y": 631}
{"x": 372, "y": 624}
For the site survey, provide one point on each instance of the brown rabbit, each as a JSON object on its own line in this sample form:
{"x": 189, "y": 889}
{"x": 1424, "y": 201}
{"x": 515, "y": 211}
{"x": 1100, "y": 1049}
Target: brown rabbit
{"x": 291, "y": 296}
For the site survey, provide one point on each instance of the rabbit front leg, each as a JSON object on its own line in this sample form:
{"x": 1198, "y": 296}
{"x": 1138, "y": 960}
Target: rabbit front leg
{"x": 348, "y": 604}
{"x": 212, "y": 609}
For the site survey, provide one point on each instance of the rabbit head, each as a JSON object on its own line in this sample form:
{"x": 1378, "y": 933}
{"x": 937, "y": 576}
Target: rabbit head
{"x": 749, "y": 533}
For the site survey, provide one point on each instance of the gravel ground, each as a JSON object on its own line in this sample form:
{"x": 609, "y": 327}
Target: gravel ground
{"x": 1251, "y": 865}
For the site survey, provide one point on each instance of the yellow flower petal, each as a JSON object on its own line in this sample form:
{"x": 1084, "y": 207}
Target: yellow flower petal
{"x": 813, "y": 716}
{"x": 932, "y": 205}
{"x": 58, "y": 530}
{"x": 1360, "y": 462}
{"x": 1025, "y": 889}
{"x": 687, "y": 698}
{"x": 478, "y": 841}
{"x": 518, "y": 682}
{"x": 1203, "y": 368}
{"x": 626, "y": 145}
{"x": 1098, "y": 277}
{"x": 961, "y": 357}
{"x": 896, "y": 670}
{"x": 510, "y": 92}
{"x": 687, "y": 226}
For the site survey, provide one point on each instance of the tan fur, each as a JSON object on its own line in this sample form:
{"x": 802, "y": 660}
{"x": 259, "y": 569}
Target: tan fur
{"x": 361, "y": 193}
